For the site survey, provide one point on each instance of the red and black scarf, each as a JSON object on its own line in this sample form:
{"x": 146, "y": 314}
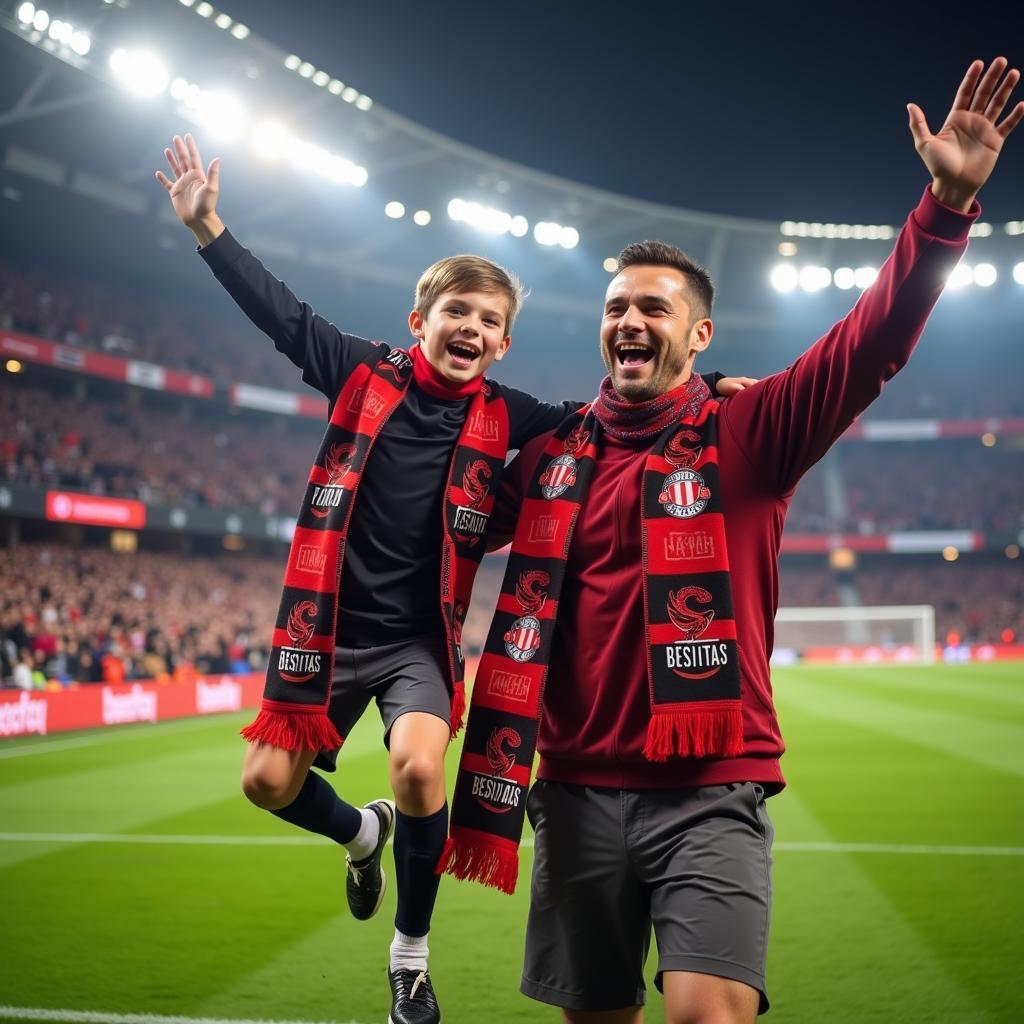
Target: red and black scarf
{"x": 293, "y": 714}
{"x": 692, "y": 655}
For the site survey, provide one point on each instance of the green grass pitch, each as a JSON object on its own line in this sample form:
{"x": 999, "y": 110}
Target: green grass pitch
{"x": 135, "y": 879}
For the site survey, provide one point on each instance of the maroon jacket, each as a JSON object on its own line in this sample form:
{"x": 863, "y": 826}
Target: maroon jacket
{"x": 596, "y": 706}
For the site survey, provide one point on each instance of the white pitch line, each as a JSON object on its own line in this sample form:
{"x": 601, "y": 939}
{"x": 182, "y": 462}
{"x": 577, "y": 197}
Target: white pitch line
{"x": 102, "y": 1017}
{"x": 311, "y": 840}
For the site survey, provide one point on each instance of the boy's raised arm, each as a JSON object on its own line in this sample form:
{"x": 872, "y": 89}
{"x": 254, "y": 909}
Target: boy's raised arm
{"x": 325, "y": 355}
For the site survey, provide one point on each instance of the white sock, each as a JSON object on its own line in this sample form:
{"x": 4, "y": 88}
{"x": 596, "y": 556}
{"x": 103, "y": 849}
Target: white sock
{"x": 409, "y": 952}
{"x": 361, "y": 845}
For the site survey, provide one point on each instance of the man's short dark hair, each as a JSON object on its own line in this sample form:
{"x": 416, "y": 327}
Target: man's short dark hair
{"x": 662, "y": 254}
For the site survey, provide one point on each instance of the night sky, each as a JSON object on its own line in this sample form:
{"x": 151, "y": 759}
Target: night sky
{"x": 775, "y": 111}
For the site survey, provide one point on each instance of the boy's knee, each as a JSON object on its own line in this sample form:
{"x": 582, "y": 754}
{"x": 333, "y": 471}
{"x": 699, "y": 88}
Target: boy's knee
{"x": 267, "y": 789}
{"x": 418, "y": 773}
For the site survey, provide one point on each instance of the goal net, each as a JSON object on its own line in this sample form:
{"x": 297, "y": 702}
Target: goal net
{"x": 870, "y": 635}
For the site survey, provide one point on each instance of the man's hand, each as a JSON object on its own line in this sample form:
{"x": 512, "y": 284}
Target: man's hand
{"x": 962, "y": 154}
{"x": 731, "y": 385}
{"x": 193, "y": 193}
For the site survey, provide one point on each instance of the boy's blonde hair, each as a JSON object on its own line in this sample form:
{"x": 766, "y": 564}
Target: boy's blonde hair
{"x": 468, "y": 274}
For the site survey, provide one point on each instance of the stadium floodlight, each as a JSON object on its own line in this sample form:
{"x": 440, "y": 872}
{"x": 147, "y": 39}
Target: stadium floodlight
{"x": 26, "y": 13}
{"x": 611, "y": 264}
{"x": 844, "y": 278}
{"x": 980, "y": 230}
{"x": 349, "y": 95}
{"x": 306, "y": 69}
{"x": 139, "y": 71}
{"x": 40, "y": 21}
{"x": 865, "y": 277}
{"x": 186, "y": 3}
{"x": 61, "y": 31}
{"x": 568, "y": 238}
{"x": 363, "y": 102}
{"x": 394, "y": 210}
{"x": 985, "y": 275}
{"x": 292, "y": 62}
{"x": 223, "y": 21}
{"x": 270, "y": 140}
{"x": 321, "y": 78}
{"x": 222, "y": 115}
{"x": 1013, "y": 227}
{"x": 204, "y": 10}
{"x": 240, "y": 31}
{"x": 784, "y": 277}
{"x": 421, "y": 218}
{"x": 519, "y": 226}
{"x": 483, "y": 218}
{"x": 814, "y": 278}
{"x": 1018, "y": 273}
{"x": 334, "y": 87}
{"x": 179, "y": 89}
{"x": 961, "y": 276}
{"x": 360, "y": 176}
{"x": 81, "y": 43}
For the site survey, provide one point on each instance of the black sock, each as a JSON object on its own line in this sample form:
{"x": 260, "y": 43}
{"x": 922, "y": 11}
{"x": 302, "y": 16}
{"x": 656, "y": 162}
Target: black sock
{"x": 418, "y": 846}
{"x": 319, "y": 809}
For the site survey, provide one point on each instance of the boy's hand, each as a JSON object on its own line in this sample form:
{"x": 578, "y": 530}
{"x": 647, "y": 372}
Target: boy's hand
{"x": 960, "y": 157}
{"x": 193, "y": 193}
{"x": 730, "y": 385}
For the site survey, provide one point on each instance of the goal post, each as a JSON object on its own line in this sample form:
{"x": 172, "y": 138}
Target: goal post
{"x": 866, "y": 634}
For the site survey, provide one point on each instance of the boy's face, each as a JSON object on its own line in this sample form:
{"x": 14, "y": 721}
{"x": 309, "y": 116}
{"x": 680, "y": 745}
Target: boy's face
{"x": 463, "y": 333}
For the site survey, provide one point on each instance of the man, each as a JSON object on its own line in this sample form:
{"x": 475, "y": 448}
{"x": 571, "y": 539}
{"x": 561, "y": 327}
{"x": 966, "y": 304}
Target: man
{"x": 637, "y": 613}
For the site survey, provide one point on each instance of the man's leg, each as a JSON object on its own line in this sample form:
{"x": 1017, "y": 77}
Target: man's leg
{"x": 705, "y": 999}
{"x": 632, "y": 1015}
{"x": 705, "y": 853}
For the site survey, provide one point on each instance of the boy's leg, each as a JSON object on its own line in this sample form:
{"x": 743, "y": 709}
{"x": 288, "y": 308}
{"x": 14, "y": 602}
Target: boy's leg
{"x": 280, "y": 781}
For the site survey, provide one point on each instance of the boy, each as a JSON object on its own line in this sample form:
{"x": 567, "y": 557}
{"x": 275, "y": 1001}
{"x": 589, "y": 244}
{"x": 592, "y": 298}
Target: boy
{"x": 376, "y": 589}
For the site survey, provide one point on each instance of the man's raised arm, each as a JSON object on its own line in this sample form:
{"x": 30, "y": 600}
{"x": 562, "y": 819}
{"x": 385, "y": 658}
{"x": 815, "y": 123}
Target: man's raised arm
{"x": 788, "y": 421}
{"x": 325, "y": 354}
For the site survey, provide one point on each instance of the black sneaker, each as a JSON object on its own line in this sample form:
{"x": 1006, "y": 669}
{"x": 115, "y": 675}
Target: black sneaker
{"x": 365, "y": 883}
{"x": 412, "y": 998}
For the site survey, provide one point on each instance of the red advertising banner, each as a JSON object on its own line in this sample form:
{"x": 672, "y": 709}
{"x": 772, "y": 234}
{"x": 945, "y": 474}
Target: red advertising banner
{"x": 89, "y": 706}
{"x": 124, "y": 513}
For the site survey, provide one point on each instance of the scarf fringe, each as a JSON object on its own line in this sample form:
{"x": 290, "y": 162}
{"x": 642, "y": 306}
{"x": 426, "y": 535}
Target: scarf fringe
{"x": 293, "y": 730}
{"x": 694, "y": 733}
{"x": 480, "y": 862}
{"x": 458, "y": 712}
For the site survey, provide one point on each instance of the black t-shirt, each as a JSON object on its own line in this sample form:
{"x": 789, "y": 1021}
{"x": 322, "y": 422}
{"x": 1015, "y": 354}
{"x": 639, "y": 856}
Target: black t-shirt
{"x": 390, "y": 583}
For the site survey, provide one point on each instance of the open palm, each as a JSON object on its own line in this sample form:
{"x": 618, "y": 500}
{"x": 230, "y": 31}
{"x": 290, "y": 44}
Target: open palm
{"x": 963, "y": 152}
{"x": 193, "y": 193}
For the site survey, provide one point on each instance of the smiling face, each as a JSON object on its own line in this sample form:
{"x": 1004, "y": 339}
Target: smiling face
{"x": 649, "y": 338}
{"x": 463, "y": 333}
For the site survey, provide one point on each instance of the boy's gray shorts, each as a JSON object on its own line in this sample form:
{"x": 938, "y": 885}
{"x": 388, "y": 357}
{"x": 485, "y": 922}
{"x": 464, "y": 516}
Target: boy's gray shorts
{"x": 609, "y": 863}
{"x": 410, "y": 675}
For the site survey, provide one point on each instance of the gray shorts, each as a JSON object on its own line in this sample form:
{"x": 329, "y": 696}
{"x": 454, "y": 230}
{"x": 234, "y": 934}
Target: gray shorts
{"x": 609, "y": 863}
{"x": 410, "y": 675}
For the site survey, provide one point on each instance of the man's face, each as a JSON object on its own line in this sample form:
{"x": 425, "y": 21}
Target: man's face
{"x": 648, "y": 341}
{"x": 463, "y": 333}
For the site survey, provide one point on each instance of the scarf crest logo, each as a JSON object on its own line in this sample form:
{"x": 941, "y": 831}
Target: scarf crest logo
{"x": 684, "y": 493}
{"x": 710, "y": 656}
{"x": 496, "y": 793}
{"x": 561, "y": 472}
{"x": 522, "y": 639}
{"x": 296, "y": 659}
{"x": 470, "y": 523}
{"x": 337, "y": 462}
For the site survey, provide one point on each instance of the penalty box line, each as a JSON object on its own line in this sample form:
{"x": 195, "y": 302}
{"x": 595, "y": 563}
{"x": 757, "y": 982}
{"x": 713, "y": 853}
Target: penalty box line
{"x": 783, "y": 846}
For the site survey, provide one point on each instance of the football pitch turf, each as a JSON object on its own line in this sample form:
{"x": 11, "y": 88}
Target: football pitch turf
{"x": 137, "y": 883}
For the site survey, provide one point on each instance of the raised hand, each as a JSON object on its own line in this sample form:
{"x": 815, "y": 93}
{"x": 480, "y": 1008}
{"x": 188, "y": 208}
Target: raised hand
{"x": 193, "y": 193}
{"x": 961, "y": 155}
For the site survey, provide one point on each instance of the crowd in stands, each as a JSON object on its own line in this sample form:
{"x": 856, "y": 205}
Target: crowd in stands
{"x": 976, "y": 600}
{"x": 78, "y": 310}
{"x": 127, "y": 448}
{"x": 126, "y": 451}
{"x": 91, "y": 615}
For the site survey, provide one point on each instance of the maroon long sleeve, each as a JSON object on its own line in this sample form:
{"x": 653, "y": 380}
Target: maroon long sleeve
{"x": 596, "y": 699}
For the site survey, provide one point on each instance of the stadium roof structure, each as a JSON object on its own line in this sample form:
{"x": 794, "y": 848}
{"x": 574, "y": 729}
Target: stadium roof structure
{"x": 80, "y": 146}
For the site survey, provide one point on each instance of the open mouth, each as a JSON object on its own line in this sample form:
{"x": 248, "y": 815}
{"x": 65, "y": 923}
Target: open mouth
{"x": 461, "y": 353}
{"x": 633, "y": 353}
